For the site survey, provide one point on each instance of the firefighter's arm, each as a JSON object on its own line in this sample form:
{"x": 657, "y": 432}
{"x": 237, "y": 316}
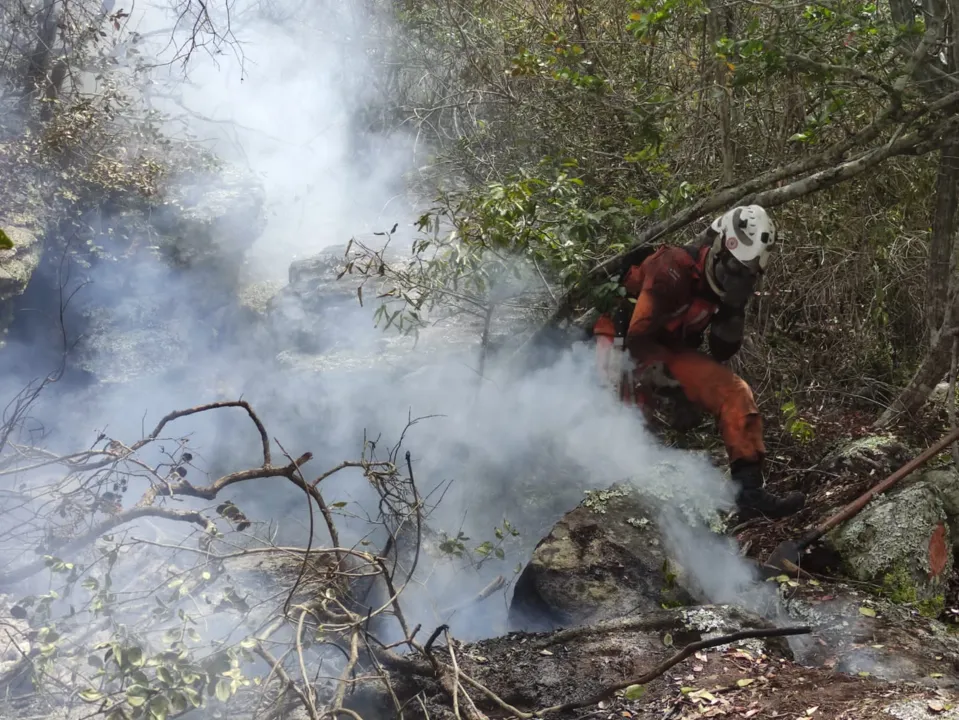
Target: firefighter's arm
{"x": 726, "y": 332}
{"x": 662, "y": 292}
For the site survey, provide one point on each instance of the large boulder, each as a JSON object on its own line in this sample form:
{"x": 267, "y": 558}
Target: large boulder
{"x": 946, "y": 482}
{"x": 872, "y": 455}
{"x": 20, "y": 252}
{"x": 209, "y": 222}
{"x": 900, "y": 541}
{"x": 615, "y": 553}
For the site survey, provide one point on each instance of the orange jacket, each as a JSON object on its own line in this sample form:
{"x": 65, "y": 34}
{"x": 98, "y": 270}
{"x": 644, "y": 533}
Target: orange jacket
{"x": 675, "y": 305}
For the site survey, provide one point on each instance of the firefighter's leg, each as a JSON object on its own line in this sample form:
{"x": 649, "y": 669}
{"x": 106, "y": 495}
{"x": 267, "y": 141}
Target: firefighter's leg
{"x": 604, "y": 334}
{"x": 730, "y": 400}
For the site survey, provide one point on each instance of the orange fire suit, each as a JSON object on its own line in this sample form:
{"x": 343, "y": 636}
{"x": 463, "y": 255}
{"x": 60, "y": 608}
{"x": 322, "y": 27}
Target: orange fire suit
{"x": 674, "y": 307}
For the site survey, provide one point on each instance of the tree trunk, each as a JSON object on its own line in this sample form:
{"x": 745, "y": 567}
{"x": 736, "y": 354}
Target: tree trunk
{"x": 719, "y": 23}
{"x": 941, "y": 311}
{"x": 40, "y": 59}
{"x": 932, "y": 369}
{"x": 943, "y": 236}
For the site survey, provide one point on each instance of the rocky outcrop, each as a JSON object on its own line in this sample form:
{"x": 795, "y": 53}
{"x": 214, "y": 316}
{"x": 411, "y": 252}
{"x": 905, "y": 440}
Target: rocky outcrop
{"x": 869, "y": 634}
{"x": 161, "y": 308}
{"x": 20, "y": 252}
{"x": 613, "y": 555}
{"x": 901, "y": 541}
{"x": 871, "y": 456}
{"x": 209, "y": 222}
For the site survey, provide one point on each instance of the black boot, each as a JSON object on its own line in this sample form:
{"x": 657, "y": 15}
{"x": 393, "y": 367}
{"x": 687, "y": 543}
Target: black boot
{"x": 752, "y": 499}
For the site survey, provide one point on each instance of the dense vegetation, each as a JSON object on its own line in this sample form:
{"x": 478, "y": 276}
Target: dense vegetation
{"x": 552, "y": 135}
{"x": 585, "y": 128}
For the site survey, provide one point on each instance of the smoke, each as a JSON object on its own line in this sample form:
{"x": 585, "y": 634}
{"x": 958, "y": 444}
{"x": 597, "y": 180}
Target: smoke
{"x": 290, "y": 107}
{"x": 494, "y": 448}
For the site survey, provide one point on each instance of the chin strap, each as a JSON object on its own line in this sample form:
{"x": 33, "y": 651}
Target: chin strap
{"x": 711, "y": 264}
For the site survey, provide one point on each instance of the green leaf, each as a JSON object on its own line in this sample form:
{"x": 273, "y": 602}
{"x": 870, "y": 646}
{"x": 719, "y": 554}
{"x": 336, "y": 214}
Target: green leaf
{"x": 5, "y": 242}
{"x": 744, "y": 682}
{"x": 90, "y": 584}
{"x": 159, "y": 707}
{"x": 868, "y": 612}
{"x": 634, "y": 692}
{"x": 223, "y": 690}
{"x": 192, "y": 696}
{"x": 137, "y": 695}
{"x": 91, "y": 695}
{"x": 178, "y": 702}
{"x": 134, "y": 656}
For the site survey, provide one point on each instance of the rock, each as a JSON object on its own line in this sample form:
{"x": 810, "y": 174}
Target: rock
{"x": 900, "y": 541}
{"x": 604, "y": 559}
{"x": 866, "y": 634}
{"x": 208, "y": 223}
{"x": 946, "y": 481}
{"x": 874, "y": 455}
{"x": 313, "y": 313}
{"x": 321, "y": 321}
{"x": 16, "y": 268}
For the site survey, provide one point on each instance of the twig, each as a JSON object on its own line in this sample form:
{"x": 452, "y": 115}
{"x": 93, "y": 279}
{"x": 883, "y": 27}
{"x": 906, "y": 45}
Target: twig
{"x": 345, "y": 675}
{"x": 428, "y": 647}
{"x": 472, "y": 712}
{"x": 309, "y": 543}
{"x": 498, "y": 582}
{"x": 306, "y": 678}
{"x": 284, "y": 676}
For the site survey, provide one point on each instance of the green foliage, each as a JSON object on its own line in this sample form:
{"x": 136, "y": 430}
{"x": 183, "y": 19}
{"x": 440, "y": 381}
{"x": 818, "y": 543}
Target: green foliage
{"x": 456, "y": 546}
{"x": 899, "y": 587}
{"x": 800, "y": 429}
{"x": 634, "y": 95}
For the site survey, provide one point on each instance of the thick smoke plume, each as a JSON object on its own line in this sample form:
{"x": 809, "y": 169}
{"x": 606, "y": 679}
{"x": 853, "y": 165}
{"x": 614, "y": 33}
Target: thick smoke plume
{"x": 497, "y": 447}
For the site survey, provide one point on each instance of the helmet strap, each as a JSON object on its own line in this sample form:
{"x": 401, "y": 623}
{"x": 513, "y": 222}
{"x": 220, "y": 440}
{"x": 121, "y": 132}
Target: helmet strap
{"x": 711, "y": 258}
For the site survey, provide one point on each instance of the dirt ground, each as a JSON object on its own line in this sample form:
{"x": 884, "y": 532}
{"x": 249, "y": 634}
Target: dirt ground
{"x": 734, "y": 684}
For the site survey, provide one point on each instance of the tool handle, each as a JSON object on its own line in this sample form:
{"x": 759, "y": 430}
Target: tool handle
{"x": 859, "y": 503}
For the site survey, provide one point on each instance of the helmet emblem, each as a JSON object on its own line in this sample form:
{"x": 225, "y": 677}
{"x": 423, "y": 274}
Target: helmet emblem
{"x": 731, "y": 242}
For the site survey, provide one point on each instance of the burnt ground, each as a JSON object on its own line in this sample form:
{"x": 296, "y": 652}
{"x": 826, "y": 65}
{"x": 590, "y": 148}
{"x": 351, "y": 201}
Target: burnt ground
{"x": 751, "y": 681}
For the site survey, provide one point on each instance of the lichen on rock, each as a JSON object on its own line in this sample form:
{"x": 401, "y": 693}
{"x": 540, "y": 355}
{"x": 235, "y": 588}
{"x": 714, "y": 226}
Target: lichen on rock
{"x": 899, "y": 540}
{"x": 878, "y": 454}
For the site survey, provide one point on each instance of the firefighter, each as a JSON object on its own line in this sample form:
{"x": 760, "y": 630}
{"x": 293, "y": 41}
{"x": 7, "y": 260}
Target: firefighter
{"x": 679, "y": 292}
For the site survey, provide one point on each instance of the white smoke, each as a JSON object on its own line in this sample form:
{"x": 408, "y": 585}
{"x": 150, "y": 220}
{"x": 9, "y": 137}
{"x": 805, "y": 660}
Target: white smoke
{"x": 523, "y": 448}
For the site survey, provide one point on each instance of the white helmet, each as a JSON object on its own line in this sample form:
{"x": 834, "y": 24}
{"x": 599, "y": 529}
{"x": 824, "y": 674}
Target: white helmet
{"x": 748, "y": 234}
{"x": 740, "y": 252}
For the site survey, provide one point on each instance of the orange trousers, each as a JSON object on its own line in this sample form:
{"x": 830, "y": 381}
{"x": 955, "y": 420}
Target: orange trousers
{"x": 707, "y": 384}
